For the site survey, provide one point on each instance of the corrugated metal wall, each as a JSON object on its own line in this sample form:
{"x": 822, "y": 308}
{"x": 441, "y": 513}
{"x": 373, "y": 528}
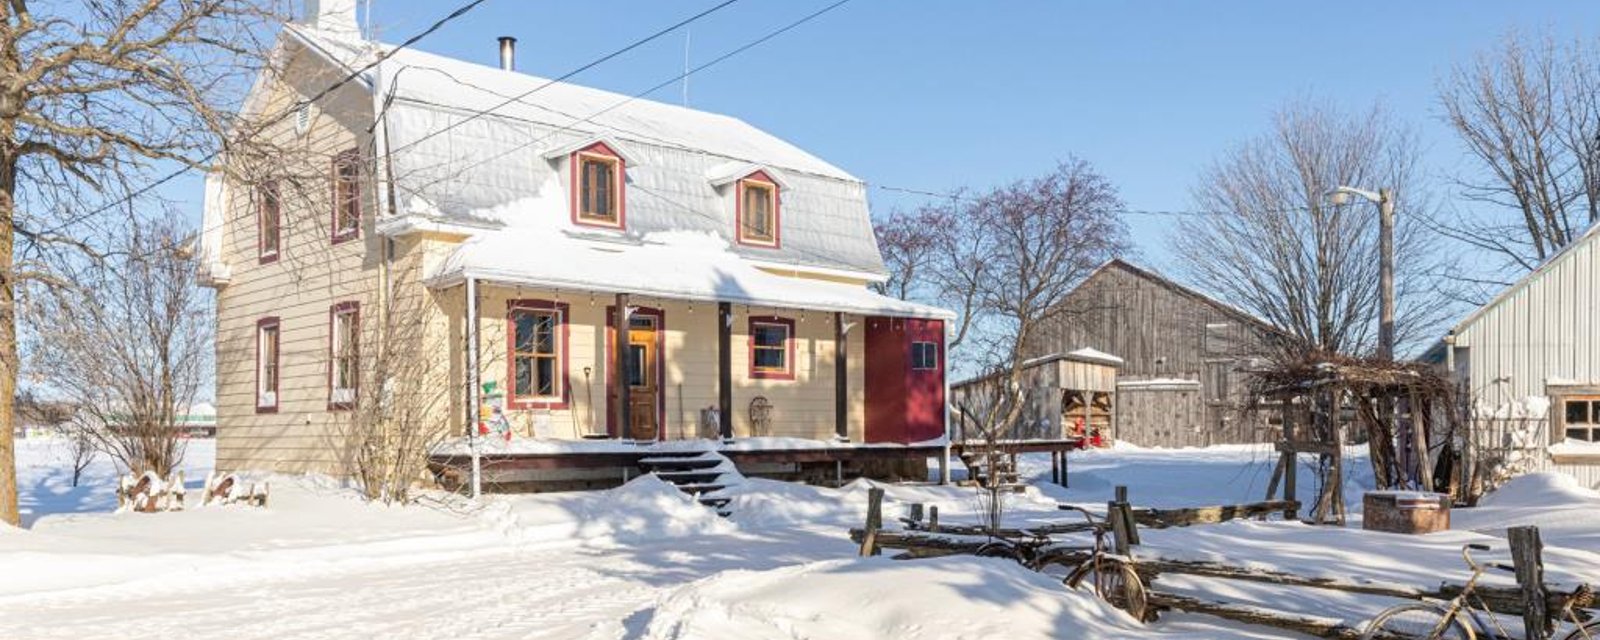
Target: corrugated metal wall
{"x": 1543, "y": 328}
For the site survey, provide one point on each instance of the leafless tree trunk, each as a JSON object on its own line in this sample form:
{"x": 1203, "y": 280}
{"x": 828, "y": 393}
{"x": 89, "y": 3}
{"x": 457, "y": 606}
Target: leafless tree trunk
{"x": 128, "y": 342}
{"x": 99, "y": 98}
{"x": 1528, "y": 113}
{"x": 1005, "y": 259}
{"x": 398, "y": 412}
{"x": 1277, "y": 248}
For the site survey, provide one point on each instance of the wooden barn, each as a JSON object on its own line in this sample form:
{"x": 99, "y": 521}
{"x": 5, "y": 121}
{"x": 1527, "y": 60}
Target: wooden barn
{"x": 1180, "y": 383}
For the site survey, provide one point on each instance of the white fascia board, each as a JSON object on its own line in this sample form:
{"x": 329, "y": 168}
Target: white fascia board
{"x": 821, "y": 271}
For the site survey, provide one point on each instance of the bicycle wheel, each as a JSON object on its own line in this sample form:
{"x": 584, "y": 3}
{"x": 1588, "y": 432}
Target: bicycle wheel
{"x": 1115, "y": 582}
{"x": 1589, "y": 631}
{"x": 1418, "y": 621}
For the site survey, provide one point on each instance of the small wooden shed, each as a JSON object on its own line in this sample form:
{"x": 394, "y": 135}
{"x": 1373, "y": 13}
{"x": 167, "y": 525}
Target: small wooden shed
{"x": 1071, "y": 395}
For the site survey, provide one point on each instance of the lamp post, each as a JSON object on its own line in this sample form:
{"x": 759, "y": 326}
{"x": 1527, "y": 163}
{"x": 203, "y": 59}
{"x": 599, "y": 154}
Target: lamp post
{"x": 1384, "y": 198}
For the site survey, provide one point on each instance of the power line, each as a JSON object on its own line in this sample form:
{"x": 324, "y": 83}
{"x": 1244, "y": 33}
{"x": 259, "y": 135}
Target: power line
{"x": 1192, "y": 213}
{"x": 298, "y": 104}
{"x": 596, "y": 62}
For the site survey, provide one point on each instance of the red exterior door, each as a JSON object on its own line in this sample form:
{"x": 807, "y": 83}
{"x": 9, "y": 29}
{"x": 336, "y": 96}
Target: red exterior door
{"x": 905, "y": 379}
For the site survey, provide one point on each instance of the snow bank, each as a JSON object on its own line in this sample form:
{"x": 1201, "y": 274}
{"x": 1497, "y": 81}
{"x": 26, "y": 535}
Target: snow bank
{"x": 643, "y": 510}
{"x": 760, "y": 504}
{"x": 880, "y": 598}
{"x": 1563, "y": 509}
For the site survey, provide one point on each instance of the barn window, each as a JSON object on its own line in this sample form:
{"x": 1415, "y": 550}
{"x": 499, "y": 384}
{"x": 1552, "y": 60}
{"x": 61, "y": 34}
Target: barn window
{"x": 924, "y": 356}
{"x": 1583, "y": 419}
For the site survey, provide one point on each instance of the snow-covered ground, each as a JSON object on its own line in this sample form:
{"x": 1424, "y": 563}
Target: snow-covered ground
{"x": 643, "y": 561}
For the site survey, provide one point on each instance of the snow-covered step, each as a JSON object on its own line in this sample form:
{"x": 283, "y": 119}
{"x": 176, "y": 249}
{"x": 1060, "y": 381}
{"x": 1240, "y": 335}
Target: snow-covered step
{"x": 705, "y": 475}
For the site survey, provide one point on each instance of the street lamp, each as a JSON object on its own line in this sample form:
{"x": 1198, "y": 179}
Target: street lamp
{"x": 1384, "y": 198}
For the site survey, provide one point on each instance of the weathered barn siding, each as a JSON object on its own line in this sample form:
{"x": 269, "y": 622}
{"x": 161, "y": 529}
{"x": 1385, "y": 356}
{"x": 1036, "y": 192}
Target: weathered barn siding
{"x": 1163, "y": 330}
{"x": 1171, "y": 414}
{"x": 1047, "y": 381}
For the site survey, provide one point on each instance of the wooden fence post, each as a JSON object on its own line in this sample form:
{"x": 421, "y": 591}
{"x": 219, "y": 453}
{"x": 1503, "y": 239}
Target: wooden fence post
{"x": 869, "y": 540}
{"x": 1527, "y": 556}
{"x": 916, "y": 512}
{"x": 933, "y": 518}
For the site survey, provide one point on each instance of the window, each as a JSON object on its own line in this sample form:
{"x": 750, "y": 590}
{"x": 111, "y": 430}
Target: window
{"x": 344, "y": 354}
{"x": 772, "y": 348}
{"x": 538, "y": 353}
{"x": 1583, "y": 419}
{"x": 346, "y": 196}
{"x": 267, "y": 365}
{"x": 924, "y": 356}
{"x": 597, "y": 187}
{"x": 756, "y": 211}
{"x": 268, "y": 211}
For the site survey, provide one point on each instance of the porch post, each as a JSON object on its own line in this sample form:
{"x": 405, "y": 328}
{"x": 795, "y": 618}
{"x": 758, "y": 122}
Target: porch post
{"x": 841, "y": 379}
{"x": 725, "y": 367}
{"x": 619, "y": 378}
{"x": 473, "y": 389}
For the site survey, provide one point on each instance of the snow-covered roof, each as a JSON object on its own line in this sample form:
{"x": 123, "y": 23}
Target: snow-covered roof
{"x": 1591, "y": 235}
{"x": 682, "y": 265}
{"x": 465, "y": 165}
{"x": 1088, "y": 354}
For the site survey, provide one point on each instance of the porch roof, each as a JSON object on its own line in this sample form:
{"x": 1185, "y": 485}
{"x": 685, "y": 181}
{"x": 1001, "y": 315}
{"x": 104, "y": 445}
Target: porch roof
{"x": 677, "y": 265}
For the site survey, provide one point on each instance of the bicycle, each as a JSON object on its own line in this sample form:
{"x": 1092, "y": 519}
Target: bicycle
{"x": 1111, "y": 577}
{"x": 1459, "y": 618}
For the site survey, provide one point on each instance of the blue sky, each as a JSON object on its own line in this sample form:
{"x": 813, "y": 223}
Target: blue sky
{"x": 937, "y": 95}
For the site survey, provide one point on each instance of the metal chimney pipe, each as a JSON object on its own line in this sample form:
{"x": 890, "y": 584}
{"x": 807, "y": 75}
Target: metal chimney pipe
{"x": 508, "y": 53}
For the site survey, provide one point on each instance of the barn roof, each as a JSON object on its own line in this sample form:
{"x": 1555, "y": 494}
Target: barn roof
{"x": 1173, "y": 285}
{"x": 1535, "y": 274}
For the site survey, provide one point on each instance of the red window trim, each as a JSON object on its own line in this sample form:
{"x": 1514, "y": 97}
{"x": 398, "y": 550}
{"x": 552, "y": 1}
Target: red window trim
{"x": 262, "y": 190}
{"x": 277, "y": 364}
{"x": 599, "y": 149}
{"x": 777, "y": 211}
{"x": 563, "y": 400}
{"x": 661, "y": 368}
{"x": 333, "y": 360}
{"x": 788, "y": 358}
{"x": 348, "y": 156}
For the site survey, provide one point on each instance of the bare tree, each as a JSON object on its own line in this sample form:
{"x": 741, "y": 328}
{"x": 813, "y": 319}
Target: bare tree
{"x": 99, "y": 97}
{"x": 128, "y": 341}
{"x": 396, "y": 389}
{"x": 910, "y": 244}
{"x": 1005, "y": 259}
{"x": 1277, "y": 248}
{"x": 1528, "y": 114}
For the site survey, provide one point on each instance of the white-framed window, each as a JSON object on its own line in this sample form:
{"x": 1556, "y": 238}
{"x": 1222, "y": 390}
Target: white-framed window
{"x": 924, "y": 356}
{"x": 344, "y": 354}
{"x": 267, "y": 371}
{"x": 1582, "y": 418}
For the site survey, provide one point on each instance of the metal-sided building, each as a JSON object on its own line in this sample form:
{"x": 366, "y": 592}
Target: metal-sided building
{"x": 1533, "y": 352}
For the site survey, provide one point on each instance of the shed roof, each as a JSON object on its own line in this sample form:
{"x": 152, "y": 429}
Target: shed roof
{"x": 1524, "y": 281}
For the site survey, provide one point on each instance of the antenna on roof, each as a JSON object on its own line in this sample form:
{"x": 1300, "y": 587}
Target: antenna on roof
{"x": 686, "y": 33}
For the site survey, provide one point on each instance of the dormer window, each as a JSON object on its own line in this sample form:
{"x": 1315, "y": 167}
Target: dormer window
{"x": 756, "y": 212}
{"x": 597, "y": 179}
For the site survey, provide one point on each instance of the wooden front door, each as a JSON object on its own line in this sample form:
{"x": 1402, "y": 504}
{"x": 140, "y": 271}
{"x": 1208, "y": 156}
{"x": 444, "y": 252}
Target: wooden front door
{"x": 644, "y": 387}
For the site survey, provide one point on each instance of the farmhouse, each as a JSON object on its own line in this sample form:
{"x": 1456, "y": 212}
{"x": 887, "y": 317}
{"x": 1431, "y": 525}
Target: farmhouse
{"x": 1533, "y": 354}
{"x": 579, "y": 277}
{"x": 1179, "y": 381}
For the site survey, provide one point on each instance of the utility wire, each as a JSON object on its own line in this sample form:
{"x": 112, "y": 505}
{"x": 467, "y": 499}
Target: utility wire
{"x": 1135, "y": 212}
{"x": 457, "y": 13}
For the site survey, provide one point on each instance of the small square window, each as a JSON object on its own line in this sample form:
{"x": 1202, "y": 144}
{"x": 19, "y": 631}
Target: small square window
{"x": 1583, "y": 419}
{"x": 924, "y": 356}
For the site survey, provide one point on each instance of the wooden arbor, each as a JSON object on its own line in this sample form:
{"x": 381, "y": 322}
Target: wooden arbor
{"x": 1404, "y": 412}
